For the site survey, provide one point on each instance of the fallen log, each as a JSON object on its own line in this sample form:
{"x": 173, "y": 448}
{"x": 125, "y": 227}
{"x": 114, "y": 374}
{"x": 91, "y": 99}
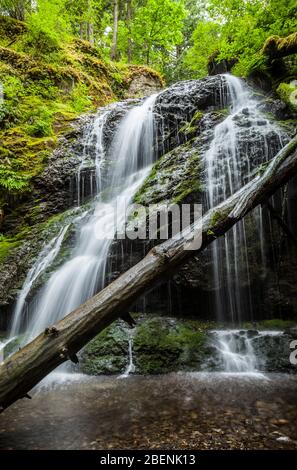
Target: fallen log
{"x": 276, "y": 47}
{"x": 23, "y": 370}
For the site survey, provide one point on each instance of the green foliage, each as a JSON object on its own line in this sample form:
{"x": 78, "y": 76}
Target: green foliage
{"x": 238, "y": 30}
{"x": 41, "y": 123}
{"x": 206, "y": 41}
{"x": 11, "y": 181}
{"x": 288, "y": 93}
{"x": 157, "y": 27}
{"x": 80, "y": 98}
{"x": 47, "y": 27}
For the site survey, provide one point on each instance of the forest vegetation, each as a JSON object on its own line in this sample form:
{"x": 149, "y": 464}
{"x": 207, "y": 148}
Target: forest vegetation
{"x": 61, "y": 58}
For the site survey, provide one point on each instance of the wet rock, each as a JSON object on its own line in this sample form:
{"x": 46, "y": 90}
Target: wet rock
{"x": 107, "y": 353}
{"x": 160, "y": 345}
{"x": 143, "y": 85}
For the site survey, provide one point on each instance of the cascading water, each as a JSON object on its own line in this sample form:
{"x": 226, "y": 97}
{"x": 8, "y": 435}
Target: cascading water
{"x": 237, "y": 350}
{"x": 130, "y": 366}
{"x": 44, "y": 260}
{"x": 84, "y": 273}
{"x": 232, "y": 157}
{"x": 230, "y": 160}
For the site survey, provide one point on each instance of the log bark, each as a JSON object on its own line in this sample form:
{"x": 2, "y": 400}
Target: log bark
{"x": 276, "y": 47}
{"x": 24, "y": 369}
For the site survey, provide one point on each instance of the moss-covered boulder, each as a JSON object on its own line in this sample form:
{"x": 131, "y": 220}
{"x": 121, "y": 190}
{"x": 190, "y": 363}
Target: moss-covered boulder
{"x": 159, "y": 345}
{"x": 164, "y": 345}
{"x": 107, "y": 353}
{"x": 288, "y": 94}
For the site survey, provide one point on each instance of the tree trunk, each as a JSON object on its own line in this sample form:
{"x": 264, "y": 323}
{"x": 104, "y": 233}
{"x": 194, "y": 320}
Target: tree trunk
{"x": 276, "y": 47}
{"x": 113, "y": 54}
{"x": 128, "y": 22}
{"x": 90, "y": 29}
{"x": 148, "y": 54}
{"x": 24, "y": 369}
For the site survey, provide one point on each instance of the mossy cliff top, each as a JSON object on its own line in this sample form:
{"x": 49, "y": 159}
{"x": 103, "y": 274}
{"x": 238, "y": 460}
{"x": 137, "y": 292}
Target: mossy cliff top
{"x": 44, "y": 87}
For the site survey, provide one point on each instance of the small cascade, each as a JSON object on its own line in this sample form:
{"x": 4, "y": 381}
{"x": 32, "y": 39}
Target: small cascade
{"x": 46, "y": 257}
{"x": 236, "y": 350}
{"x": 130, "y": 366}
{"x": 243, "y": 141}
{"x": 93, "y": 144}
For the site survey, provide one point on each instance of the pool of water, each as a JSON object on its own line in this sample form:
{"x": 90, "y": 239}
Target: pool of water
{"x": 175, "y": 411}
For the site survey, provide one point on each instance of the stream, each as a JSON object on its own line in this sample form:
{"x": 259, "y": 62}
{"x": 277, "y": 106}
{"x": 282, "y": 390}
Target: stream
{"x": 175, "y": 411}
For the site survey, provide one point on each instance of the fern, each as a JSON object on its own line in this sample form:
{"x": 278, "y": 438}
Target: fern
{"x": 11, "y": 181}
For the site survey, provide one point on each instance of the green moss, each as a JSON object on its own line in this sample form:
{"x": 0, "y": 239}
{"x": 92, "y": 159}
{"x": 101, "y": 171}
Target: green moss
{"x": 44, "y": 93}
{"x": 10, "y": 28}
{"x": 7, "y": 245}
{"x": 273, "y": 324}
{"x": 163, "y": 345}
{"x": 276, "y": 46}
{"x": 175, "y": 178}
{"x": 288, "y": 93}
{"x": 107, "y": 353}
{"x": 215, "y": 218}
{"x": 190, "y": 128}
{"x": 277, "y": 324}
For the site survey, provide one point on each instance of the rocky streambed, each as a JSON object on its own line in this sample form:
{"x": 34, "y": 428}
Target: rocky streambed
{"x": 175, "y": 411}
{"x": 160, "y": 345}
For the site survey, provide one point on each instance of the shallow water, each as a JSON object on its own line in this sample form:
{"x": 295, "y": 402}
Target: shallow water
{"x": 176, "y": 411}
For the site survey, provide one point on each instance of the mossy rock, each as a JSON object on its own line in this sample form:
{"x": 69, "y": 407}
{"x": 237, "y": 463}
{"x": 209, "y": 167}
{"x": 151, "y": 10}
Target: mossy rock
{"x": 163, "y": 345}
{"x": 175, "y": 178}
{"x": 107, "y": 353}
{"x": 160, "y": 345}
{"x": 288, "y": 93}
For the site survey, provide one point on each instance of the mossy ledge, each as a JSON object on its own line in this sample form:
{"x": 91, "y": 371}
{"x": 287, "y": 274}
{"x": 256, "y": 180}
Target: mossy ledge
{"x": 43, "y": 94}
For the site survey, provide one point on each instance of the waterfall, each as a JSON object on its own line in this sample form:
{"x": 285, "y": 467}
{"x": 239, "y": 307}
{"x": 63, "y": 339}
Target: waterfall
{"x": 46, "y": 257}
{"x": 236, "y": 350}
{"x": 241, "y": 142}
{"x": 130, "y": 366}
{"x": 79, "y": 278}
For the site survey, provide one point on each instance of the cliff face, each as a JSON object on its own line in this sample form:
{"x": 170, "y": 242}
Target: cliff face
{"x": 186, "y": 116}
{"x": 43, "y": 98}
{"x": 42, "y": 94}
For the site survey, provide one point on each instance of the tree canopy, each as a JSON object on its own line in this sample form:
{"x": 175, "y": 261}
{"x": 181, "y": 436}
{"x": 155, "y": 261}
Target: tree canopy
{"x": 174, "y": 36}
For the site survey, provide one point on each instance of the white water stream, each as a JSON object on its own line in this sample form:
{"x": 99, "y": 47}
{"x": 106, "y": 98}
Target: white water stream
{"x": 84, "y": 273}
{"x": 236, "y": 349}
{"x": 229, "y": 165}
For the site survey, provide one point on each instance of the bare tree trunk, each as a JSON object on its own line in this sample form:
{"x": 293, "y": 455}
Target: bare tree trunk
{"x": 113, "y": 54}
{"x": 128, "y": 21}
{"x": 90, "y": 29}
{"x": 82, "y": 30}
{"x": 24, "y": 369}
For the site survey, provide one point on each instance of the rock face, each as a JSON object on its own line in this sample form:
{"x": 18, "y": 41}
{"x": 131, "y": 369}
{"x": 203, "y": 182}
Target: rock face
{"x": 164, "y": 344}
{"x": 143, "y": 85}
{"x": 192, "y": 111}
{"x": 186, "y": 115}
